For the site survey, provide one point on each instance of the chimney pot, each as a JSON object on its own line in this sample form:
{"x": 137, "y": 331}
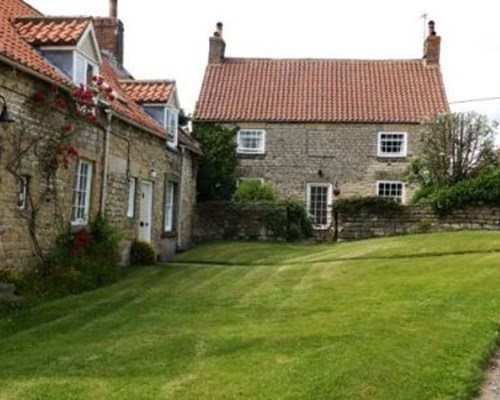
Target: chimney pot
{"x": 113, "y": 8}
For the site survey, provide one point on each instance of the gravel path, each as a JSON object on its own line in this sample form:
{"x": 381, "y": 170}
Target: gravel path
{"x": 491, "y": 387}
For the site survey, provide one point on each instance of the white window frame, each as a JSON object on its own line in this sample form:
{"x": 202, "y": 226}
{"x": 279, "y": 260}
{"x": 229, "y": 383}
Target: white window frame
{"x": 329, "y": 204}
{"x": 245, "y": 150}
{"x": 398, "y": 199}
{"x": 169, "y": 211}
{"x": 77, "y": 56}
{"x": 172, "y": 129}
{"x": 132, "y": 185}
{"x": 22, "y": 202}
{"x": 81, "y": 194}
{"x": 404, "y": 145}
{"x": 172, "y": 137}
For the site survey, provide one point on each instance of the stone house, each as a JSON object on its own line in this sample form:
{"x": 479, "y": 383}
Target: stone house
{"x": 319, "y": 129}
{"x": 134, "y": 163}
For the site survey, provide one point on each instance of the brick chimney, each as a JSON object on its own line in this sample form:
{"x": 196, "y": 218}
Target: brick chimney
{"x": 217, "y": 46}
{"x": 432, "y": 46}
{"x": 110, "y": 32}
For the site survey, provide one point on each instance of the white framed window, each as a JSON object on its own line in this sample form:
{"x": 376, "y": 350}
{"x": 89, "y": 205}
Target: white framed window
{"x": 391, "y": 189}
{"x": 319, "y": 203}
{"x": 131, "y": 197}
{"x": 251, "y": 141}
{"x": 84, "y": 70}
{"x": 170, "y": 196}
{"x": 81, "y": 193}
{"x": 171, "y": 122}
{"x": 167, "y": 117}
{"x": 22, "y": 201}
{"x": 392, "y": 144}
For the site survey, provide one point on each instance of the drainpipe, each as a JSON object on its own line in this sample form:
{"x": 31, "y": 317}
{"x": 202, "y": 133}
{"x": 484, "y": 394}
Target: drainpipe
{"x": 104, "y": 186}
{"x": 181, "y": 184}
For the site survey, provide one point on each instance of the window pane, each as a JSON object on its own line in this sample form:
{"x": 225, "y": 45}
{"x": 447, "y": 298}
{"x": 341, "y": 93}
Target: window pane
{"x": 251, "y": 141}
{"x": 90, "y": 73}
{"x": 80, "y": 71}
{"x": 392, "y": 190}
{"x": 158, "y": 113}
{"x": 392, "y": 144}
{"x": 81, "y": 192}
{"x": 170, "y": 192}
{"x": 318, "y": 204}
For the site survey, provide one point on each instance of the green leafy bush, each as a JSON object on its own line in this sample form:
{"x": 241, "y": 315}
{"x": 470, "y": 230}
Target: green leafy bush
{"x": 481, "y": 190}
{"x": 141, "y": 253}
{"x": 85, "y": 259}
{"x": 373, "y": 205}
{"x": 294, "y": 224}
{"x": 80, "y": 261}
{"x": 254, "y": 190}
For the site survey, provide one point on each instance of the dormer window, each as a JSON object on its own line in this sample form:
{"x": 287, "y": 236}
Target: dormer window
{"x": 168, "y": 118}
{"x": 84, "y": 70}
{"x": 77, "y": 67}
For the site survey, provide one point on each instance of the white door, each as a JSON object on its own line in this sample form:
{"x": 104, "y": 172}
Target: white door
{"x": 146, "y": 211}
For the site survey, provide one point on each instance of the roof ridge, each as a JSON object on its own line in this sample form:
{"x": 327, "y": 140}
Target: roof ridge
{"x": 51, "y": 18}
{"x": 368, "y": 60}
{"x": 143, "y": 81}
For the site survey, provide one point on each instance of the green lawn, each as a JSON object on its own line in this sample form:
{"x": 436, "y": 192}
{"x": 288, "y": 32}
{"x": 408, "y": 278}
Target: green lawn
{"x": 411, "y": 317}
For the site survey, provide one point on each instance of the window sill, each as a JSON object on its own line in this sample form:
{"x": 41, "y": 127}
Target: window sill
{"x": 392, "y": 158}
{"x": 258, "y": 156}
{"x": 169, "y": 235}
{"x": 77, "y": 226}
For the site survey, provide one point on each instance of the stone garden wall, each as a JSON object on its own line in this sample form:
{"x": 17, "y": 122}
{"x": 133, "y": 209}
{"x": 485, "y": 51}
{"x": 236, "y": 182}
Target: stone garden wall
{"x": 415, "y": 219}
{"x": 224, "y": 220}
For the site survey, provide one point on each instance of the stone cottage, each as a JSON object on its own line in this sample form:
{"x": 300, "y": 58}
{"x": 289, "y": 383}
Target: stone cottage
{"x": 134, "y": 163}
{"x": 317, "y": 129}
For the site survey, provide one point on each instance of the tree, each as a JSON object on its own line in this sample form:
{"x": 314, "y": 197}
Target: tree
{"x": 454, "y": 147}
{"x": 217, "y": 172}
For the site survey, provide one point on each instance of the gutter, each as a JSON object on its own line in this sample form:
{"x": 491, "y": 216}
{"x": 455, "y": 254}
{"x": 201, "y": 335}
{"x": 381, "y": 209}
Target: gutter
{"x": 179, "y": 210}
{"x": 105, "y": 161}
{"x": 32, "y": 72}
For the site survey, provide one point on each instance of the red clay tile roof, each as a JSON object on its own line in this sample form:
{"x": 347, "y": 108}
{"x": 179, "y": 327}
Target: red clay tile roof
{"x": 187, "y": 140}
{"x": 148, "y": 91}
{"x": 125, "y": 105}
{"x": 321, "y": 90}
{"x": 15, "y": 48}
{"x": 51, "y": 30}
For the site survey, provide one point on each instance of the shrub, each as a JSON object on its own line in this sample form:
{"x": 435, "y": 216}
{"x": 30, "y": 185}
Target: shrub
{"x": 373, "y": 205}
{"x": 141, "y": 253}
{"x": 80, "y": 261}
{"x": 254, "y": 190}
{"x": 481, "y": 190}
{"x": 293, "y": 224}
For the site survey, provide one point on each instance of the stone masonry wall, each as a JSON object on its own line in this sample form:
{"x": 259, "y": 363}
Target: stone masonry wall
{"x": 345, "y": 153}
{"x": 415, "y": 219}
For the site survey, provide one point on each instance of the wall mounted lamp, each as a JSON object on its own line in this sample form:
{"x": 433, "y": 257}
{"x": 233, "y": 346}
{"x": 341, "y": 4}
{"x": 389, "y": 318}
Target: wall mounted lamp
{"x": 5, "y": 116}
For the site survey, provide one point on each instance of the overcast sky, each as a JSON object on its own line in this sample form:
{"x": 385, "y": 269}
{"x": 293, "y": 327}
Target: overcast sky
{"x": 169, "y": 39}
